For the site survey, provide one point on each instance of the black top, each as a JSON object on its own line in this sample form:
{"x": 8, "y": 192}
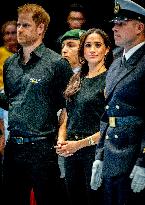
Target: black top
{"x": 35, "y": 91}
{"x": 87, "y": 106}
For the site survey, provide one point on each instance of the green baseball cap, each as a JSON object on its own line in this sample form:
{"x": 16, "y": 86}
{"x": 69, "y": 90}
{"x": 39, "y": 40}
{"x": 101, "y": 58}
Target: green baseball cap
{"x": 72, "y": 34}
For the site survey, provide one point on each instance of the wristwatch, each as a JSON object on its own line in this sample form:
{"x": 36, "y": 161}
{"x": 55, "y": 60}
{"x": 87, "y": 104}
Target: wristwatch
{"x": 91, "y": 141}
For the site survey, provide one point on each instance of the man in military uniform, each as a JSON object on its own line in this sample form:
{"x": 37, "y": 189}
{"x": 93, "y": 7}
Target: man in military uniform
{"x": 120, "y": 154}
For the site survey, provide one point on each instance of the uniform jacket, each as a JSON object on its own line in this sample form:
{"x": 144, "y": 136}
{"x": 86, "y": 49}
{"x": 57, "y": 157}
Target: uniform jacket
{"x": 122, "y": 144}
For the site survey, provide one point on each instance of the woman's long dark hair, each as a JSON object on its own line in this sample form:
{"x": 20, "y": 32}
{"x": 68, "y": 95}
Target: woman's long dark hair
{"x": 75, "y": 81}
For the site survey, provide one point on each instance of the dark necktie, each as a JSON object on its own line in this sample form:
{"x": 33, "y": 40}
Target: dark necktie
{"x": 123, "y": 61}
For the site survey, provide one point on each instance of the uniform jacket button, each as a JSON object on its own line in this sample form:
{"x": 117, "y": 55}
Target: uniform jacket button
{"x": 116, "y": 136}
{"x": 117, "y": 107}
{"x": 107, "y": 107}
{"x": 107, "y": 137}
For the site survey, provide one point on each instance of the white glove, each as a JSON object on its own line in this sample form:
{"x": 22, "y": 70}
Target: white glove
{"x": 138, "y": 179}
{"x": 96, "y": 178}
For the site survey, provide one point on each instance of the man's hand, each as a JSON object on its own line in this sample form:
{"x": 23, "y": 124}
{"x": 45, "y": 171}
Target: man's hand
{"x": 138, "y": 179}
{"x": 96, "y": 178}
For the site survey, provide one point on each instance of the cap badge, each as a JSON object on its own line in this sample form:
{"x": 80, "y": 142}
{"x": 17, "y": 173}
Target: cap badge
{"x": 116, "y": 8}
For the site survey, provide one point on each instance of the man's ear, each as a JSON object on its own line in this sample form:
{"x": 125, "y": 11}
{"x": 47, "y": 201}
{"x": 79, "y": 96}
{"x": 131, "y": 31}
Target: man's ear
{"x": 141, "y": 27}
{"x": 40, "y": 28}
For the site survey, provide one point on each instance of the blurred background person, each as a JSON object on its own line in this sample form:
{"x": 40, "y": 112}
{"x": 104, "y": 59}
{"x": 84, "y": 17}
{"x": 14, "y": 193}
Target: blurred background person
{"x": 9, "y": 47}
{"x": 75, "y": 18}
{"x": 2, "y": 144}
{"x": 79, "y": 131}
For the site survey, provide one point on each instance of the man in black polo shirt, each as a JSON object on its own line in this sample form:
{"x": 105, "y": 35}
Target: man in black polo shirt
{"x": 34, "y": 81}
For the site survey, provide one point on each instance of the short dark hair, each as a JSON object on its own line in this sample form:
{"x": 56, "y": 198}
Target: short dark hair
{"x": 76, "y": 7}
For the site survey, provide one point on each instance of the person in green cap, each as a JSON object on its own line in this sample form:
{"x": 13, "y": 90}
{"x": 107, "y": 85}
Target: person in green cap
{"x": 70, "y": 42}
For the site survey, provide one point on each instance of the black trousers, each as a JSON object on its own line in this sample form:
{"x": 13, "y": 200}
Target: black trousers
{"x": 117, "y": 191}
{"x": 27, "y": 166}
{"x": 78, "y": 170}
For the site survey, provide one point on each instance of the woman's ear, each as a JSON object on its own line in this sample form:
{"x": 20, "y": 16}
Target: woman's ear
{"x": 107, "y": 51}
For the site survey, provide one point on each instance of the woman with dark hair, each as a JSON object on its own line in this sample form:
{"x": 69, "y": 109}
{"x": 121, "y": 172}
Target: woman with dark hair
{"x": 79, "y": 131}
